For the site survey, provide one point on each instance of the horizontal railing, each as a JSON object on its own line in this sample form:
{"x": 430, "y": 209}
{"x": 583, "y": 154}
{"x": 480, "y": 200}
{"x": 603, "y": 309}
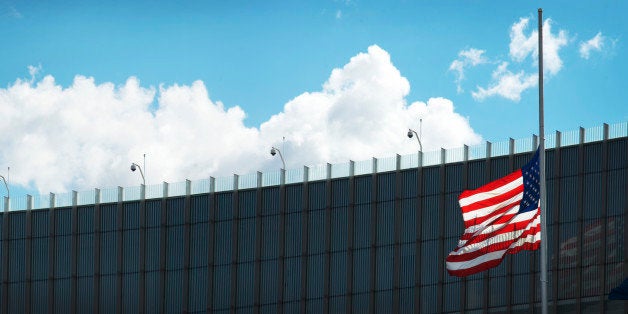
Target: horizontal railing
{"x": 314, "y": 173}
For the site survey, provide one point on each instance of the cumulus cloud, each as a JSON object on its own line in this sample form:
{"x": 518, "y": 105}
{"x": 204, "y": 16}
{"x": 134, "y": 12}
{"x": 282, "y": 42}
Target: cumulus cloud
{"x": 56, "y": 138}
{"x": 87, "y": 134}
{"x": 507, "y": 84}
{"x": 594, "y": 44}
{"x": 510, "y": 85}
{"x": 466, "y": 58}
{"x": 522, "y": 46}
{"x": 361, "y": 112}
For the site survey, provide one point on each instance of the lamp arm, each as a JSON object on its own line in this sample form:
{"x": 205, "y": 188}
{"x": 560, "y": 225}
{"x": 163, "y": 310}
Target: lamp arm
{"x": 141, "y": 172}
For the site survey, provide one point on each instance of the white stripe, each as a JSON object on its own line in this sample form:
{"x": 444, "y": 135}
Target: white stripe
{"x": 492, "y": 255}
{"x": 509, "y": 236}
{"x": 482, "y": 212}
{"x": 530, "y": 238}
{"x": 476, "y": 229}
{"x": 499, "y": 238}
{"x": 477, "y": 261}
{"x": 487, "y": 225}
{"x": 497, "y": 191}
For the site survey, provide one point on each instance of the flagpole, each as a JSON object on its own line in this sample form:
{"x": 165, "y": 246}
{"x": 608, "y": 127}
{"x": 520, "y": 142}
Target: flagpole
{"x": 542, "y": 175}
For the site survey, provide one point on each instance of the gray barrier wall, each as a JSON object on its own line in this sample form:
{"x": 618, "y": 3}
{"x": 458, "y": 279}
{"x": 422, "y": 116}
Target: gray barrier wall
{"x": 371, "y": 243}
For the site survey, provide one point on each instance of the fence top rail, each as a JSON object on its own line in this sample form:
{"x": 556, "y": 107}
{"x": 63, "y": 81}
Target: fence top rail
{"x": 313, "y": 173}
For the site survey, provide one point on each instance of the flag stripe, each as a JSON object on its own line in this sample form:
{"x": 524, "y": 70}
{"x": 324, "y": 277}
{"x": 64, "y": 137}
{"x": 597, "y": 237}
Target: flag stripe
{"x": 506, "y": 216}
{"x": 495, "y": 243}
{"x": 530, "y": 237}
{"x": 508, "y": 224}
{"x": 481, "y": 265}
{"x": 478, "y": 217}
{"x": 484, "y": 243}
{"x": 499, "y": 186}
{"x": 487, "y": 207}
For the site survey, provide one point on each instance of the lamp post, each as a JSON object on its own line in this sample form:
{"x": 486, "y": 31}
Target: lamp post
{"x": 274, "y": 151}
{"x": 134, "y": 167}
{"x": 412, "y": 132}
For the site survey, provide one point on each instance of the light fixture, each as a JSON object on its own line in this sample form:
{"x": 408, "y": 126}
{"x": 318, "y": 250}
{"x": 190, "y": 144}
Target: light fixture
{"x": 274, "y": 151}
{"x": 134, "y": 167}
{"x": 412, "y": 132}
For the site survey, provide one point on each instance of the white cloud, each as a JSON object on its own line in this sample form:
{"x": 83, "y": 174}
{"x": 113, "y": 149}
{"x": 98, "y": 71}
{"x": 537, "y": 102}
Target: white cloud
{"x": 33, "y": 71}
{"x": 338, "y": 15}
{"x": 594, "y": 44}
{"x": 362, "y": 112}
{"x": 507, "y": 84}
{"x": 466, "y": 58}
{"x": 473, "y": 56}
{"x": 510, "y": 85}
{"x": 86, "y": 135}
{"x": 522, "y": 46}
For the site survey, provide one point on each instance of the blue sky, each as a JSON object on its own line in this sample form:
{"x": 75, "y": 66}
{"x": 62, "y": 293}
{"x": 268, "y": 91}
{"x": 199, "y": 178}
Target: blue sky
{"x": 262, "y": 66}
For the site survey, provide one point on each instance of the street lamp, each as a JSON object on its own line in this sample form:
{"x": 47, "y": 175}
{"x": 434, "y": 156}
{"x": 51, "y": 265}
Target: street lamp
{"x": 418, "y": 137}
{"x": 274, "y": 151}
{"x": 134, "y": 167}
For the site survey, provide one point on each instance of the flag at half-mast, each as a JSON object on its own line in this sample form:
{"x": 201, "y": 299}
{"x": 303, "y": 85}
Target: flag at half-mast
{"x": 501, "y": 217}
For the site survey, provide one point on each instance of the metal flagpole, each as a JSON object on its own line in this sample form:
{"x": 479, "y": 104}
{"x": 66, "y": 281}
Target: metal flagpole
{"x": 544, "y": 232}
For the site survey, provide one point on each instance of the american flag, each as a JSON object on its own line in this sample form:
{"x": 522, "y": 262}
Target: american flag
{"x": 501, "y": 217}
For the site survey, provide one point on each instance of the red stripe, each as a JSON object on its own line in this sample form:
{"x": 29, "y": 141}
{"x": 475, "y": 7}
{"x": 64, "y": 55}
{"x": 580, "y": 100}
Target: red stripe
{"x": 499, "y": 212}
{"x": 491, "y": 248}
{"x": 463, "y": 272}
{"x": 502, "y": 220}
{"x": 470, "y": 235}
{"x": 493, "y": 200}
{"x": 492, "y": 185}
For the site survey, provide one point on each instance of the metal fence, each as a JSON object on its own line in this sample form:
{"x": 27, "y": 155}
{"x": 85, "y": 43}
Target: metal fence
{"x": 319, "y": 172}
{"x": 345, "y": 241}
